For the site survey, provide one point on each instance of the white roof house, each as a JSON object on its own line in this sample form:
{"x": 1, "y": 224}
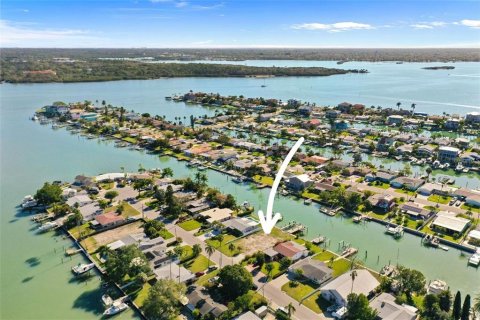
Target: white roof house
{"x": 110, "y": 176}
{"x": 164, "y": 273}
{"x": 81, "y": 199}
{"x": 339, "y": 289}
{"x": 387, "y": 309}
{"x": 216, "y": 214}
{"x": 243, "y": 225}
{"x": 449, "y": 221}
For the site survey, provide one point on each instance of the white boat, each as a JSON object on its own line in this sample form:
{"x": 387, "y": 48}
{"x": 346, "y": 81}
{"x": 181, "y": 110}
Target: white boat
{"x": 28, "y": 202}
{"x": 459, "y": 168}
{"x": 82, "y": 268}
{"x": 308, "y": 202}
{"x": 237, "y": 180}
{"x": 474, "y": 260}
{"x": 107, "y": 300}
{"x": 116, "y": 307}
{"x": 47, "y": 226}
{"x": 465, "y": 170}
{"x": 34, "y": 118}
{"x": 395, "y": 231}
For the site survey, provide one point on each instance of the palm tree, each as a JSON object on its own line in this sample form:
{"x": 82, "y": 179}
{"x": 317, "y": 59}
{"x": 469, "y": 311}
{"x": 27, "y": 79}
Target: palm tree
{"x": 398, "y": 105}
{"x": 209, "y": 249}
{"x": 170, "y": 255}
{"x": 476, "y": 304}
{"x": 269, "y": 269}
{"x": 353, "y": 275}
{"x": 179, "y": 252}
{"x": 231, "y": 248}
{"x": 413, "y": 107}
{"x": 290, "y": 310}
{"x": 220, "y": 240}
{"x": 196, "y": 250}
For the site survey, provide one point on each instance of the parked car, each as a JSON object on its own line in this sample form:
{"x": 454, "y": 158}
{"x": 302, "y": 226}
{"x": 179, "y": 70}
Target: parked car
{"x": 212, "y": 268}
{"x": 93, "y": 191}
{"x": 199, "y": 274}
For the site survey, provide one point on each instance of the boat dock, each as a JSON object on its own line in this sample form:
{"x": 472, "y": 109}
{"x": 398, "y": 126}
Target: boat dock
{"x": 294, "y": 227}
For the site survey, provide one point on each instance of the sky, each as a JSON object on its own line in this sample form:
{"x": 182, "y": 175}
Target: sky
{"x": 239, "y": 23}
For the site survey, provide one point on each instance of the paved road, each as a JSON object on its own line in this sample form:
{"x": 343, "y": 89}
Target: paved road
{"x": 277, "y": 298}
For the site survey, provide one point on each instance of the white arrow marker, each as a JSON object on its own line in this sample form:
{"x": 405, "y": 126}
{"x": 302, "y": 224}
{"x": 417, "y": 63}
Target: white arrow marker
{"x": 268, "y": 222}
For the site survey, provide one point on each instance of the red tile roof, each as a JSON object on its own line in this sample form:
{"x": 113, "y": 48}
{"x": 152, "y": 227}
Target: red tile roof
{"x": 288, "y": 249}
{"x": 107, "y": 218}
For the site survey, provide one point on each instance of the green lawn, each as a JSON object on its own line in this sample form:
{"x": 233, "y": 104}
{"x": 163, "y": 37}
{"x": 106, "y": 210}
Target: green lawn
{"x": 315, "y": 249}
{"x": 141, "y": 295}
{"x": 439, "y": 199}
{"x": 190, "y": 225}
{"x": 324, "y": 256}
{"x": 316, "y": 303}
{"x": 204, "y": 279}
{"x": 263, "y": 180}
{"x": 128, "y": 210}
{"x": 276, "y": 269}
{"x": 310, "y": 195}
{"x": 340, "y": 266}
{"x": 107, "y": 185}
{"x": 83, "y": 230}
{"x": 200, "y": 263}
{"x": 471, "y": 208}
{"x": 279, "y": 234}
{"x": 407, "y": 192}
{"x": 165, "y": 234}
{"x": 299, "y": 291}
{"x": 130, "y": 139}
{"x": 224, "y": 248}
{"x": 379, "y": 184}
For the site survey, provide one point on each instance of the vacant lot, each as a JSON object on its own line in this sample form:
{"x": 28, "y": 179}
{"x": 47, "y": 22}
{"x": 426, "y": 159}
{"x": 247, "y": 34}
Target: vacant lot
{"x": 110, "y": 236}
{"x": 257, "y": 242}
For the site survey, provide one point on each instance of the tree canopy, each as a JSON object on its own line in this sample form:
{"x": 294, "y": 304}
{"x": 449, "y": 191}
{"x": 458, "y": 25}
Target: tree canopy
{"x": 235, "y": 281}
{"x": 163, "y": 300}
{"x": 358, "y": 308}
{"x": 48, "y": 194}
{"x": 128, "y": 260}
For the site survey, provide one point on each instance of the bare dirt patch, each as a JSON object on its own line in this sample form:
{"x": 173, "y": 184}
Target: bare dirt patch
{"x": 110, "y": 236}
{"x": 257, "y": 242}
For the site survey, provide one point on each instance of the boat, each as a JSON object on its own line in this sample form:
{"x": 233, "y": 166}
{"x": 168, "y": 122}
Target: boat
{"x": 450, "y": 181}
{"x": 34, "y": 118}
{"x": 246, "y": 204}
{"x": 318, "y": 240}
{"x": 28, "y": 202}
{"x": 431, "y": 240}
{"x": 465, "y": 170}
{"x": 308, "y": 202}
{"x": 358, "y": 219}
{"x": 459, "y": 168}
{"x": 238, "y": 180}
{"x": 168, "y": 98}
{"x": 474, "y": 260}
{"x": 107, "y": 300}
{"x": 117, "y": 307}
{"x": 387, "y": 270}
{"x": 263, "y": 86}
{"x": 82, "y": 268}
{"x": 446, "y": 166}
{"x": 47, "y": 226}
{"x": 284, "y": 192}
{"x": 395, "y": 231}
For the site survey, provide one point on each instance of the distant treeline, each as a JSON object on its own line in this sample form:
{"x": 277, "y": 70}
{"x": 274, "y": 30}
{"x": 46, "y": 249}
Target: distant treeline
{"x": 16, "y": 70}
{"x": 408, "y": 55}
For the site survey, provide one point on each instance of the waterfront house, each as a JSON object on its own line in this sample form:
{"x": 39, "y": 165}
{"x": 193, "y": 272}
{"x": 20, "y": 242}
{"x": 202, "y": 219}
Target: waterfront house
{"x": 468, "y": 159}
{"x": 395, "y": 120}
{"x": 291, "y": 250}
{"x": 201, "y": 301}
{"x": 473, "y": 200}
{"x": 344, "y": 107}
{"x": 79, "y": 199}
{"x": 338, "y": 290}
{"x": 299, "y": 182}
{"x": 380, "y": 176}
{"x": 314, "y": 270}
{"x": 426, "y": 151}
{"x": 216, "y": 214}
{"x": 314, "y": 160}
{"x": 462, "y": 143}
{"x": 415, "y": 211}
{"x": 385, "y": 143}
{"x": 407, "y": 182}
{"x": 452, "y": 124}
{"x": 241, "y": 226}
{"x": 89, "y": 211}
{"x": 472, "y": 117}
{"x": 448, "y": 154}
{"x": 83, "y": 181}
{"x": 196, "y": 150}
{"x": 340, "y": 164}
{"x": 449, "y": 223}
{"x": 107, "y": 220}
{"x": 388, "y": 309}
{"x": 382, "y": 202}
{"x": 324, "y": 186}
{"x": 305, "y": 110}
{"x": 332, "y": 114}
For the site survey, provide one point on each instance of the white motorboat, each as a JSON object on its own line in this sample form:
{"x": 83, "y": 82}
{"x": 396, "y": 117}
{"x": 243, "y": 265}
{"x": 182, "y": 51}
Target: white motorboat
{"x": 107, "y": 300}
{"x": 82, "y": 268}
{"x": 308, "y": 202}
{"x": 474, "y": 260}
{"x": 28, "y": 202}
{"x": 47, "y": 226}
{"x": 395, "y": 231}
{"x": 116, "y": 307}
{"x": 459, "y": 168}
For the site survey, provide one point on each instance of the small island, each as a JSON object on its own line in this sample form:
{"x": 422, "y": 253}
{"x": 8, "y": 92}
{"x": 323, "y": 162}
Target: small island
{"x": 439, "y": 68}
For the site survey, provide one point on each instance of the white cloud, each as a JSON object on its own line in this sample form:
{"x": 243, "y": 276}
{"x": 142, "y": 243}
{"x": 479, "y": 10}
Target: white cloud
{"x": 471, "y": 23}
{"x": 421, "y": 26}
{"x": 334, "y": 27}
{"x": 15, "y": 34}
{"x": 181, "y": 4}
{"x": 438, "y": 23}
